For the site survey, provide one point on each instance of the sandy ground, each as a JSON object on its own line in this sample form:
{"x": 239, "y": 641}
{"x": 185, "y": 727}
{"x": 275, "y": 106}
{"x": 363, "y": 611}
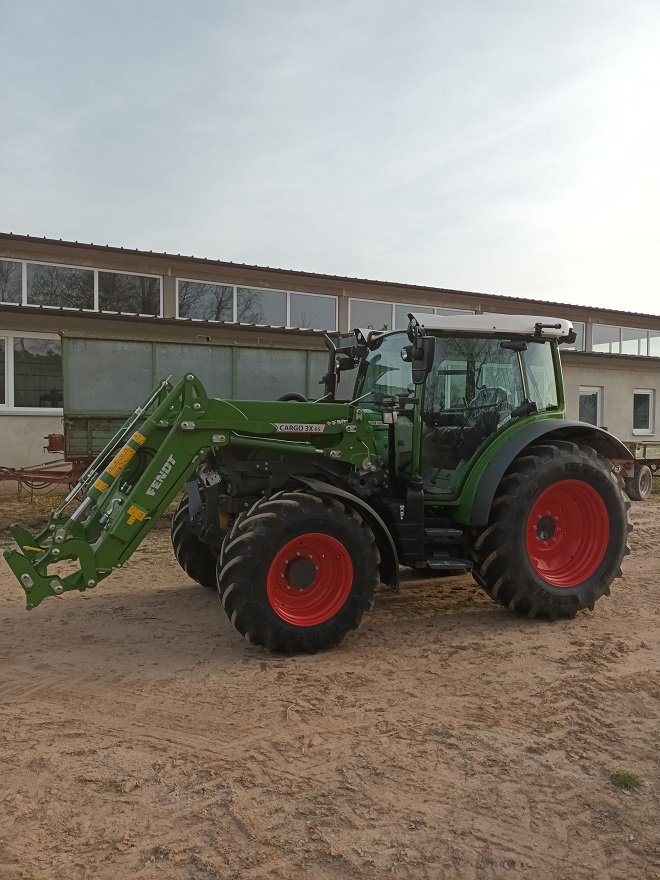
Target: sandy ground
{"x": 140, "y": 737}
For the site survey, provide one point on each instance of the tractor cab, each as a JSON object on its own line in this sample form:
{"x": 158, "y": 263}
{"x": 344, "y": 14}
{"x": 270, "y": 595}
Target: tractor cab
{"x": 469, "y": 378}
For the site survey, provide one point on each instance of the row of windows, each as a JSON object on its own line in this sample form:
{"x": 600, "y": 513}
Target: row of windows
{"x": 377, "y": 315}
{"x": 625, "y": 340}
{"x": 226, "y": 302}
{"x": 30, "y": 372}
{"x": 642, "y": 414}
{"x": 26, "y": 283}
{"x": 253, "y": 305}
{"x": 39, "y": 284}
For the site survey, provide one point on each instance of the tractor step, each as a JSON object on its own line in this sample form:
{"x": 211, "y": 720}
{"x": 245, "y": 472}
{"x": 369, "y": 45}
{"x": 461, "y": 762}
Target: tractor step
{"x": 444, "y": 535}
{"x": 449, "y": 564}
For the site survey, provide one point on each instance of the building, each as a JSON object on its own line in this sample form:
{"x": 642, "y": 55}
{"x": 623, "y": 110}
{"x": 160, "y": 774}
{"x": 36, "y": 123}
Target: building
{"x": 48, "y": 287}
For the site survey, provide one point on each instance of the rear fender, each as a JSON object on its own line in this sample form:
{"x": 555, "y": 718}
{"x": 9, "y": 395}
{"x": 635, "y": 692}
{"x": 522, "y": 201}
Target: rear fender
{"x": 602, "y": 441}
{"x": 389, "y": 560}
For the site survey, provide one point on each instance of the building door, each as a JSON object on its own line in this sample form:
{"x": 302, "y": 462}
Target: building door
{"x": 591, "y": 401}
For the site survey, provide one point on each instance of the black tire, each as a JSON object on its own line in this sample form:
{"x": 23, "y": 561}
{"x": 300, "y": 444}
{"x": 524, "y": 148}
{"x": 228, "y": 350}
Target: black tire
{"x": 640, "y": 485}
{"x": 273, "y": 585}
{"x": 196, "y": 558}
{"x": 293, "y": 395}
{"x": 557, "y": 534}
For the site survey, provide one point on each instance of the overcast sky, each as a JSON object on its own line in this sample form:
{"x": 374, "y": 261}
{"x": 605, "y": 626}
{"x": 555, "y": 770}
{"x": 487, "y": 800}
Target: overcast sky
{"x": 504, "y": 147}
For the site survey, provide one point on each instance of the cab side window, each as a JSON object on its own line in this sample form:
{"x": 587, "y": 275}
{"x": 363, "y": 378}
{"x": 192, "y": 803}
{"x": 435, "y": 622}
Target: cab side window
{"x": 473, "y": 388}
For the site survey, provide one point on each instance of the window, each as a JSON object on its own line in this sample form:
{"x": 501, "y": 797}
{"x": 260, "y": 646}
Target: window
{"x": 368, "y": 313}
{"x": 310, "y": 311}
{"x": 471, "y": 372}
{"x": 60, "y": 286}
{"x": 590, "y": 405}
{"x": 10, "y": 281}
{"x": 383, "y": 372}
{"x": 472, "y": 389}
{"x": 606, "y": 339}
{"x": 254, "y": 306}
{"x": 208, "y": 302}
{"x": 540, "y": 374}
{"x": 120, "y": 292}
{"x": 634, "y": 341}
{"x": 643, "y": 415}
{"x": 654, "y": 343}
{"x": 578, "y": 345}
{"x": 30, "y": 371}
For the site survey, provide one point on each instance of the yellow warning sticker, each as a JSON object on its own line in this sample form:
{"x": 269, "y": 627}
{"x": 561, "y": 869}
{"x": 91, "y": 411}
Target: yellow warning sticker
{"x": 101, "y": 485}
{"x": 135, "y": 514}
{"x": 139, "y": 438}
{"x": 120, "y": 461}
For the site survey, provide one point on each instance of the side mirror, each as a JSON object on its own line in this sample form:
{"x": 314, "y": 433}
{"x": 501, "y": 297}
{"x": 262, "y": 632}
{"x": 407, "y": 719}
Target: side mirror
{"x": 420, "y": 355}
{"x": 421, "y": 351}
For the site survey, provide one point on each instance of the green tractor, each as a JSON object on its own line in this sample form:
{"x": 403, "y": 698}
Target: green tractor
{"x": 450, "y": 453}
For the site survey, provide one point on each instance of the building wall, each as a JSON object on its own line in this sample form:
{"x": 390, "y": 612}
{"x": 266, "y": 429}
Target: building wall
{"x": 618, "y": 377}
{"x": 22, "y": 439}
{"x": 22, "y": 442}
{"x": 21, "y": 432}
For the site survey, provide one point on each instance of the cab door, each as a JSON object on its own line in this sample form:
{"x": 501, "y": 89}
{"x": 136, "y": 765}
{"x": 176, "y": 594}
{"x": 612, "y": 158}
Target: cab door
{"x": 472, "y": 389}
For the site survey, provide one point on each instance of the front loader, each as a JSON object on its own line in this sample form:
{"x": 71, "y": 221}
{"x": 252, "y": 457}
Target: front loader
{"x": 450, "y": 454}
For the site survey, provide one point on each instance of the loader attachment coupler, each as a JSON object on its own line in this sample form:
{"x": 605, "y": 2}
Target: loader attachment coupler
{"x": 118, "y": 498}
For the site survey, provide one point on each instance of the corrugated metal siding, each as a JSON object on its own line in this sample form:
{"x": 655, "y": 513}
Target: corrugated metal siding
{"x": 105, "y": 379}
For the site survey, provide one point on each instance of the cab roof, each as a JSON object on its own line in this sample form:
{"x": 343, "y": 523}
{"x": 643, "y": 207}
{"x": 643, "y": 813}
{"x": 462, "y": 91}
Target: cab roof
{"x": 522, "y": 325}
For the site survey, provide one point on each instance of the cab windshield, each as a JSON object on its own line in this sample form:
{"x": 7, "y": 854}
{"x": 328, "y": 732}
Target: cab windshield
{"x": 383, "y": 373}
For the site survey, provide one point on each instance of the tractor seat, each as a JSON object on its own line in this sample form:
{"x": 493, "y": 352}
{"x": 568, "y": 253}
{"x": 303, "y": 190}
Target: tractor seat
{"x": 485, "y": 411}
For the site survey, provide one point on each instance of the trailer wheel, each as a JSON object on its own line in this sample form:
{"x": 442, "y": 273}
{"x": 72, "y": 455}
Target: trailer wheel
{"x": 640, "y": 485}
{"x": 557, "y": 534}
{"x": 196, "y": 558}
{"x": 298, "y": 572}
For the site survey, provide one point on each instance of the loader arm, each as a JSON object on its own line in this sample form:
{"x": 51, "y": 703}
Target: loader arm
{"x": 121, "y": 495}
{"x": 105, "y": 517}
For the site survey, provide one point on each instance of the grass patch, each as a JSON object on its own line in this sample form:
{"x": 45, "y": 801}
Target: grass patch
{"x": 625, "y": 780}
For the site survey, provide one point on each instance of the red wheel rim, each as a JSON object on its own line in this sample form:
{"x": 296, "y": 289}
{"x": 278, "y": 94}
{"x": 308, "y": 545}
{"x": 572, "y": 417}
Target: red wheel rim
{"x": 567, "y": 533}
{"x": 309, "y": 579}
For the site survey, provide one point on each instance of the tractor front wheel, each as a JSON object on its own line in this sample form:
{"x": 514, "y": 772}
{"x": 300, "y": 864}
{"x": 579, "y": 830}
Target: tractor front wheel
{"x": 297, "y": 572}
{"x": 558, "y": 532}
{"x": 195, "y": 557}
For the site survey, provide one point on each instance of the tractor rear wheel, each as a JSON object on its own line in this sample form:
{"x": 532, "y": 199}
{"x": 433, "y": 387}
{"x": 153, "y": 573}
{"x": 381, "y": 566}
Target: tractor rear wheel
{"x": 558, "y": 532}
{"x": 195, "y": 557}
{"x": 297, "y": 572}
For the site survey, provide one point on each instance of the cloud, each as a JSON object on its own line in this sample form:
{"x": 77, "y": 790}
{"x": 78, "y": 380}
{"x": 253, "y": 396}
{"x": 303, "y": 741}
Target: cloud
{"x": 505, "y": 147}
